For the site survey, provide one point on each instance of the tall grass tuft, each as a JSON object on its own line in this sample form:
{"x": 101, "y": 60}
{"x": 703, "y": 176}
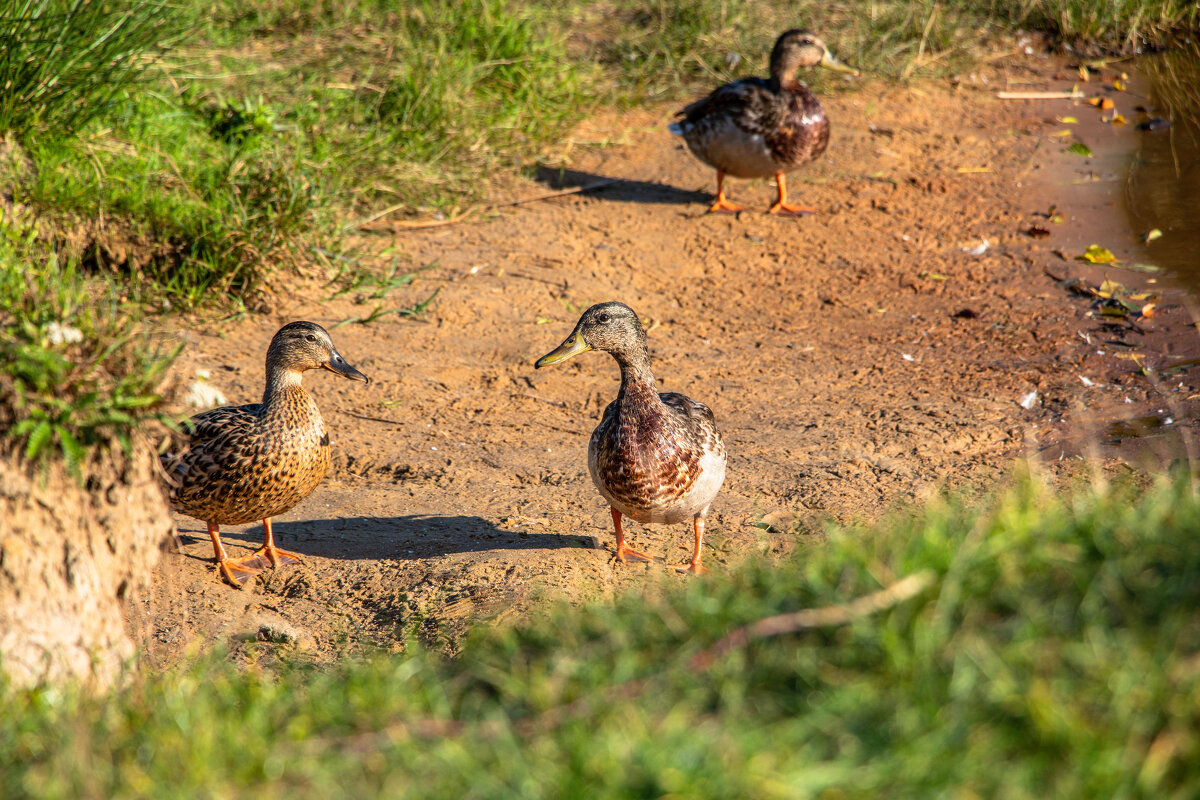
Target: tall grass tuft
{"x": 76, "y": 371}
{"x": 62, "y": 61}
{"x": 474, "y": 82}
{"x": 1122, "y": 26}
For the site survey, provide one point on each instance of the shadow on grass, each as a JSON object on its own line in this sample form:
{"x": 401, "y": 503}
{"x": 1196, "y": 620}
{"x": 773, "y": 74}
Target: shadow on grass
{"x": 621, "y": 189}
{"x": 409, "y": 537}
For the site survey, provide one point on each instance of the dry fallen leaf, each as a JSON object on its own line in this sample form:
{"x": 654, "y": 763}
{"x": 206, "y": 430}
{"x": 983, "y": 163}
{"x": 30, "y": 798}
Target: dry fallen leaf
{"x": 1151, "y": 235}
{"x": 1062, "y": 133}
{"x": 1080, "y": 149}
{"x": 1098, "y": 255}
{"x": 1117, "y": 119}
{"x": 1067, "y": 120}
{"x": 1118, "y": 84}
{"x": 1038, "y": 232}
{"x": 1107, "y": 103}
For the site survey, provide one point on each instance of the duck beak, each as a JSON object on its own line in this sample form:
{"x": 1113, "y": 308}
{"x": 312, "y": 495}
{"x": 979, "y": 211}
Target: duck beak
{"x": 573, "y": 346}
{"x": 829, "y": 61}
{"x": 338, "y": 365}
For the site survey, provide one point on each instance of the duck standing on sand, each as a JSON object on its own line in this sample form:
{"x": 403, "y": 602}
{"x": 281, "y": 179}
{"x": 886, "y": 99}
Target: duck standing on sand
{"x": 755, "y": 127}
{"x": 244, "y": 463}
{"x": 654, "y": 457}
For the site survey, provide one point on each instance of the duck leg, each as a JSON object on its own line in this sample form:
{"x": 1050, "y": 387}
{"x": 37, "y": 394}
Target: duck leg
{"x": 782, "y": 206}
{"x": 235, "y": 570}
{"x": 722, "y": 205}
{"x": 625, "y": 552}
{"x": 694, "y": 566}
{"x": 272, "y": 554}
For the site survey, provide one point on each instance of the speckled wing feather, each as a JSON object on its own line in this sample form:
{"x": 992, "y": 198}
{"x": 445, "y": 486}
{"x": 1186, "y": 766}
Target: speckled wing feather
{"x": 206, "y": 444}
{"x": 748, "y": 103}
{"x": 697, "y": 419}
{"x": 749, "y": 128}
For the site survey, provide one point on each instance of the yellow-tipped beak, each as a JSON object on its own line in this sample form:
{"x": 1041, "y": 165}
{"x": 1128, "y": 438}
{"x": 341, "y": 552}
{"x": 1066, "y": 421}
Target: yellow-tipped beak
{"x": 573, "y": 346}
{"x": 830, "y": 62}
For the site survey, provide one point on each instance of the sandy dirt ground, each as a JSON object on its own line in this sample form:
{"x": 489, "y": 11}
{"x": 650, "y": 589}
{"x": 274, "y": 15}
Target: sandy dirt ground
{"x": 855, "y": 359}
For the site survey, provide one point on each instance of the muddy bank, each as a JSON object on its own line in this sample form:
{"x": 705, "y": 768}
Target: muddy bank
{"x": 855, "y": 359}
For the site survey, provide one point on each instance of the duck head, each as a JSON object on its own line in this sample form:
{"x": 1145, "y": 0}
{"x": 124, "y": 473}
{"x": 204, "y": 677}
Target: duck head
{"x": 800, "y": 48}
{"x": 611, "y": 327}
{"x": 301, "y": 346}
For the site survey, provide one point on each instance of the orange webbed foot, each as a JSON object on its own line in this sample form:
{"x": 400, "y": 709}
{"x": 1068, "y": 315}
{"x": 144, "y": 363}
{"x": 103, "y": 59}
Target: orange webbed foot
{"x": 789, "y": 210}
{"x": 240, "y": 571}
{"x": 723, "y": 206}
{"x": 272, "y": 555}
{"x": 627, "y": 554}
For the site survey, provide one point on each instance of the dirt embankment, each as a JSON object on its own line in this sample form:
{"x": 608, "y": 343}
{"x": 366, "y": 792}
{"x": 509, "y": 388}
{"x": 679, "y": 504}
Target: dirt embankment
{"x": 71, "y": 557}
{"x": 858, "y": 357}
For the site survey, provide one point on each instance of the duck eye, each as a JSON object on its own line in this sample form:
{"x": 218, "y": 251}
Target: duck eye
{"x": 603, "y": 317}
{"x": 311, "y": 338}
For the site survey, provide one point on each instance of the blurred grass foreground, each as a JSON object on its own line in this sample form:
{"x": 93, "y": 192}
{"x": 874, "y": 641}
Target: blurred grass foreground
{"x": 1035, "y": 644}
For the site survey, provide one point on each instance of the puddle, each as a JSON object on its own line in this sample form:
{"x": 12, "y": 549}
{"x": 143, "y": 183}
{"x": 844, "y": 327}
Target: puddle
{"x": 1120, "y": 183}
{"x": 1135, "y": 428}
{"x": 1162, "y": 188}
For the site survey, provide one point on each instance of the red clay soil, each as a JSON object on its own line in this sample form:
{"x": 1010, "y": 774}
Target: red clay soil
{"x": 855, "y": 359}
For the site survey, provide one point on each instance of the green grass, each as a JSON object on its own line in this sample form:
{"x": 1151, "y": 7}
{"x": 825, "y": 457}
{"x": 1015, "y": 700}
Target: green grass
{"x": 63, "y": 61}
{"x": 76, "y": 371}
{"x": 1104, "y": 27}
{"x": 1054, "y": 655}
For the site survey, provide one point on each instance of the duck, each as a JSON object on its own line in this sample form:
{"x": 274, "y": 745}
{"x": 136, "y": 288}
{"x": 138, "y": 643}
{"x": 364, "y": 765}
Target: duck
{"x": 238, "y": 464}
{"x": 655, "y": 457}
{"x": 759, "y": 127}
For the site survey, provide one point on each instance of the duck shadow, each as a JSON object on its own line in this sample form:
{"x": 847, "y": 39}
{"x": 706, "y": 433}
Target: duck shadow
{"x": 405, "y": 538}
{"x": 618, "y": 189}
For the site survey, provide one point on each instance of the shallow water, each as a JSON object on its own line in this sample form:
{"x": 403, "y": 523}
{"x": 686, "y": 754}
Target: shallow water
{"x": 1162, "y": 189}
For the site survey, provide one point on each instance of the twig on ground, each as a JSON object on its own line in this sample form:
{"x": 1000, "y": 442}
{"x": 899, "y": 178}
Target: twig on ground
{"x": 814, "y": 618}
{"x": 373, "y": 419}
{"x": 437, "y": 223}
{"x": 1071, "y": 95}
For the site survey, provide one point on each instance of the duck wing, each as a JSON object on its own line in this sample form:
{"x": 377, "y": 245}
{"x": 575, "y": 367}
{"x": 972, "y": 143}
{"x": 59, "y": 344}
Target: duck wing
{"x": 695, "y": 418}
{"x": 750, "y": 104}
{"x": 210, "y": 440}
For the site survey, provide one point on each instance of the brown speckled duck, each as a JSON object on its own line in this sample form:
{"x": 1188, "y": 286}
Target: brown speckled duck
{"x": 755, "y": 127}
{"x": 654, "y": 457}
{"x": 243, "y": 463}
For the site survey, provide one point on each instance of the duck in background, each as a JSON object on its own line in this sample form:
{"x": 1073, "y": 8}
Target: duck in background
{"x": 756, "y": 127}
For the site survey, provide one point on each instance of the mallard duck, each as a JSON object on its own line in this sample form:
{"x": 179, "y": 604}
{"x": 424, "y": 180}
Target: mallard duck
{"x": 238, "y": 464}
{"x": 755, "y": 127}
{"x": 654, "y": 457}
